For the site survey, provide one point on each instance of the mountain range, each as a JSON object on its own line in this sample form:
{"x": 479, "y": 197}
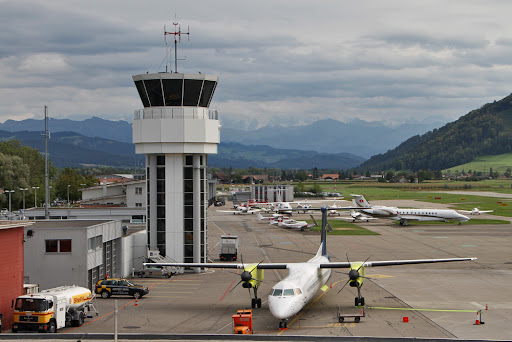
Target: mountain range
{"x": 76, "y": 150}
{"x": 483, "y": 131}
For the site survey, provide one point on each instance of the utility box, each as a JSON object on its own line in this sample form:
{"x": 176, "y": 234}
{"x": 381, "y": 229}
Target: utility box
{"x": 228, "y": 247}
{"x": 242, "y": 322}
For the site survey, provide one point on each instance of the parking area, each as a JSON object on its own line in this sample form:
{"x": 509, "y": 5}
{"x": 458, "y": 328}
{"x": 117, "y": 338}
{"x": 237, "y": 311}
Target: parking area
{"x": 205, "y": 302}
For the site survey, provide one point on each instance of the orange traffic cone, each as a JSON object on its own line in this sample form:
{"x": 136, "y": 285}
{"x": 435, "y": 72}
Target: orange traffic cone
{"x": 486, "y": 307}
{"x": 136, "y": 302}
{"x": 477, "y": 322}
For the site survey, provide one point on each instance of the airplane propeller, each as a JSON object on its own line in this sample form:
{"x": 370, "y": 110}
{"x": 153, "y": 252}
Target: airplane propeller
{"x": 353, "y": 274}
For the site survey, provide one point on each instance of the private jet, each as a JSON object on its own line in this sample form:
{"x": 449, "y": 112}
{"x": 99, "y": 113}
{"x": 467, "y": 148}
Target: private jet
{"x": 475, "y": 211}
{"x": 405, "y": 215}
{"x": 290, "y": 295}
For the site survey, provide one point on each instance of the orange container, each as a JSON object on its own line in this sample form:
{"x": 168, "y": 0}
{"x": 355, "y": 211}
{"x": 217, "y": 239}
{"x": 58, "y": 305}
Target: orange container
{"x": 242, "y": 322}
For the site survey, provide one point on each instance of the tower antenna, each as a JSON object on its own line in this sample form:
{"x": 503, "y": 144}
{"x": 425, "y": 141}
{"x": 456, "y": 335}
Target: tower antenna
{"x": 177, "y": 37}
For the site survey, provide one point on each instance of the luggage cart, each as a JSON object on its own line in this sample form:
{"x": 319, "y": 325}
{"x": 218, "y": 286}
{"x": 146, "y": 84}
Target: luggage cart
{"x": 357, "y": 317}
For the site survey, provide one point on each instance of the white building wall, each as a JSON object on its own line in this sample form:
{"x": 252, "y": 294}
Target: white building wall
{"x": 140, "y": 250}
{"x": 127, "y": 256}
{"x": 56, "y": 269}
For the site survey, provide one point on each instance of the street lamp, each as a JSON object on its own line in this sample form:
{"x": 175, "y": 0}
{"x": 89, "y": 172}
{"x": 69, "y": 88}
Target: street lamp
{"x": 35, "y": 195}
{"x": 9, "y": 192}
{"x": 23, "y": 189}
{"x": 50, "y": 195}
{"x": 68, "y": 194}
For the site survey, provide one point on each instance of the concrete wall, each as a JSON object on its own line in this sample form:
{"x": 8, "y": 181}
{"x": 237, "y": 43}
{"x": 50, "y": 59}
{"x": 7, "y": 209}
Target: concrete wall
{"x": 56, "y": 269}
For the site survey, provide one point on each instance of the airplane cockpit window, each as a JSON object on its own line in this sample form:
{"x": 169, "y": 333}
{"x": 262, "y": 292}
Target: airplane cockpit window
{"x": 277, "y": 292}
{"x": 289, "y": 292}
{"x": 298, "y": 291}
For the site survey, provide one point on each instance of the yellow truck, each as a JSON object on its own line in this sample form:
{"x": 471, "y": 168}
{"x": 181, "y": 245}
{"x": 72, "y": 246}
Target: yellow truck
{"x": 51, "y": 309}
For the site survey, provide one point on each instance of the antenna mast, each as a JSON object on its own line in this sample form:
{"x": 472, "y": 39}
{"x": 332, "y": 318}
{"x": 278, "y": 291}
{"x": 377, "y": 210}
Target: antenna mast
{"x": 177, "y": 36}
{"x": 46, "y": 137}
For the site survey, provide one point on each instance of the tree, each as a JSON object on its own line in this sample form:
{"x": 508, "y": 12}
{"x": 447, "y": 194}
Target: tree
{"x": 389, "y": 175}
{"x": 301, "y": 176}
{"x": 71, "y": 179}
{"x": 508, "y": 173}
{"x": 316, "y": 189}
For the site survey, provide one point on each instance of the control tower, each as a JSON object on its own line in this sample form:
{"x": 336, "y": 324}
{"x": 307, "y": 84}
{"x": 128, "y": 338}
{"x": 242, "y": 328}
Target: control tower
{"x": 176, "y": 131}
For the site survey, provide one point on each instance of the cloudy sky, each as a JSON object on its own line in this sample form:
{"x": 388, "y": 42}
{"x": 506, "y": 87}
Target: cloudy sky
{"x": 288, "y": 61}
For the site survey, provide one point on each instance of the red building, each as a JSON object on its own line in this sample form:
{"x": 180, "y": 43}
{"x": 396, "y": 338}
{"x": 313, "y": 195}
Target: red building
{"x": 11, "y": 268}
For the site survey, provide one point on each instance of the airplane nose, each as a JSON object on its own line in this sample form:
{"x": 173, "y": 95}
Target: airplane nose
{"x": 277, "y": 308}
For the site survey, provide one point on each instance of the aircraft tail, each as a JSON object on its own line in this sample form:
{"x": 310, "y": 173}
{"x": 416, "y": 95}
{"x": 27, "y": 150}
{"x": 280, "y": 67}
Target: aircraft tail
{"x": 260, "y": 217}
{"x": 323, "y": 233}
{"x": 360, "y": 201}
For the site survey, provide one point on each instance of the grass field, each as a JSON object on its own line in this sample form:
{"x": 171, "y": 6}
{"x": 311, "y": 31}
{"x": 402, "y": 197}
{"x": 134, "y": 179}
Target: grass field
{"x": 500, "y": 163}
{"x": 344, "y": 228}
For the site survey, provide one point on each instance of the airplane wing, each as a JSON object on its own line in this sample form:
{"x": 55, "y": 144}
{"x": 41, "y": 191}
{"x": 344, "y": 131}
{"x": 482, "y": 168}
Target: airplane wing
{"x": 269, "y": 266}
{"x": 391, "y": 262}
{"x": 276, "y": 266}
{"x": 486, "y": 211}
{"x": 466, "y": 211}
{"x": 358, "y": 218}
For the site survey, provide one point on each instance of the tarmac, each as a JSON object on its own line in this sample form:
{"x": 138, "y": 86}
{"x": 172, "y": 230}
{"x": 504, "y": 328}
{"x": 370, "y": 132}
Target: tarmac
{"x": 203, "y": 303}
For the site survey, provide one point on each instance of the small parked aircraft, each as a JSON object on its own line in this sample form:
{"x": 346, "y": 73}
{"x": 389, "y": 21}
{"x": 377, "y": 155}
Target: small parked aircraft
{"x": 305, "y": 279}
{"x": 290, "y": 223}
{"x": 241, "y": 210}
{"x": 356, "y": 216}
{"x": 405, "y": 215}
{"x": 476, "y": 211}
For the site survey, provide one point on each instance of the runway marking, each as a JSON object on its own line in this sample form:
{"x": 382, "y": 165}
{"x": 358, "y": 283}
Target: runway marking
{"x": 379, "y": 276}
{"x": 284, "y": 242}
{"x": 275, "y": 237}
{"x": 226, "y": 292}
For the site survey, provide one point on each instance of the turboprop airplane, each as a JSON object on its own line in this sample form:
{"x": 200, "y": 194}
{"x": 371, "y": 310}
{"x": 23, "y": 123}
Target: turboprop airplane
{"x": 476, "y": 211}
{"x": 304, "y": 279}
{"x": 272, "y": 218}
{"x": 405, "y": 215}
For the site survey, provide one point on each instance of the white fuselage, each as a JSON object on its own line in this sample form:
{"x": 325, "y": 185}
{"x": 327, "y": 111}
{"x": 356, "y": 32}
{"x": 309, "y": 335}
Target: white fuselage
{"x": 415, "y": 214}
{"x": 290, "y": 223}
{"x": 297, "y": 289}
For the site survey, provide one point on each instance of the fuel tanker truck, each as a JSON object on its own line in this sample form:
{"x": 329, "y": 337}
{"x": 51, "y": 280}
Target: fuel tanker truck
{"x": 51, "y": 309}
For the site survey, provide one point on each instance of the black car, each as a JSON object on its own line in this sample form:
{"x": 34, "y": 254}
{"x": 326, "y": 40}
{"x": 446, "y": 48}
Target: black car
{"x": 121, "y": 287}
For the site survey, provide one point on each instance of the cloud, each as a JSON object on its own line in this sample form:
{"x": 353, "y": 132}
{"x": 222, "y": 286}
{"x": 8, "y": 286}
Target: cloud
{"x": 278, "y": 61}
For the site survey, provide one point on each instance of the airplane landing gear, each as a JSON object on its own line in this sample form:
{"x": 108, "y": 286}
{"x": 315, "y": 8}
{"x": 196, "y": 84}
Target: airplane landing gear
{"x": 359, "y": 301}
{"x": 255, "y": 302}
{"x": 283, "y": 324}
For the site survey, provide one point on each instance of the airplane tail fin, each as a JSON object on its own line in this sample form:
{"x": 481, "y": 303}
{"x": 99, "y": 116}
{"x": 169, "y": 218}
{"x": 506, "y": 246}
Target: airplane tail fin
{"x": 260, "y": 217}
{"x": 360, "y": 201}
{"x": 323, "y": 234}
{"x": 314, "y": 221}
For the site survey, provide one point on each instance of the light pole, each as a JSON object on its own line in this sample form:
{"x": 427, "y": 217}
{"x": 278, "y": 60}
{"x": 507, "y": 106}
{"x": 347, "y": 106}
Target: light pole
{"x": 68, "y": 194}
{"x": 23, "y": 189}
{"x": 9, "y": 192}
{"x": 35, "y": 195}
{"x": 50, "y": 193}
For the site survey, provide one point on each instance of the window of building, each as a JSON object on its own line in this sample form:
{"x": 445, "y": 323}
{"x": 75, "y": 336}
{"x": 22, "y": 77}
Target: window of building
{"x": 138, "y": 204}
{"x": 58, "y": 246}
{"x": 138, "y": 191}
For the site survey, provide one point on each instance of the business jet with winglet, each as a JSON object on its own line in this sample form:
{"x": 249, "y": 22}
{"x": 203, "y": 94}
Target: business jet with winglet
{"x": 290, "y": 295}
{"x": 475, "y": 211}
{"x": 404, "y": 215}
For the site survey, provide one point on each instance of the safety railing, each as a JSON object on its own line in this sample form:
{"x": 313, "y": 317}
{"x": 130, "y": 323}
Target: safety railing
{"x": 175, "y": 113}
